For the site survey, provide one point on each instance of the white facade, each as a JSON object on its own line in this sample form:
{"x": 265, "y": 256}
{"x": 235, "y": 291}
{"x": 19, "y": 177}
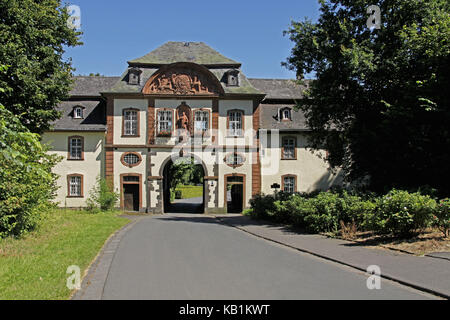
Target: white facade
{"x": 138, "y": 122}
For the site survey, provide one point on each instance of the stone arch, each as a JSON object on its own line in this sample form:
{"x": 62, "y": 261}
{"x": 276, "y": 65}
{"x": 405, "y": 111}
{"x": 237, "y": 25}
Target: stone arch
{"x": 175, "y": 157}
{"x": 185, "y": 79}
{"x": 164, "y": 173}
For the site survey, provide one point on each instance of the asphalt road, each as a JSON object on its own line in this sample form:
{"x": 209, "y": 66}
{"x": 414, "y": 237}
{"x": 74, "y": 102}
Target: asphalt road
{"x": 194, "y": 257}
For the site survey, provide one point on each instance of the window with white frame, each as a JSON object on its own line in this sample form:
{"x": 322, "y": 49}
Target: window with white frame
{"x": 286, "y": 114}
{"x": 75, "y": 188}
{"x": 130, "y": 123}
{"x": 131, "y": 159}
{"x": 165, "y": 121}
{"x": 75, "y": 148}
{"x": 201, "y": 121}
{"x": 289, "y": 184}
{"x": 235, "y": 119}
{"x": 78, "y": 112}
{"x": 289, "y": 145}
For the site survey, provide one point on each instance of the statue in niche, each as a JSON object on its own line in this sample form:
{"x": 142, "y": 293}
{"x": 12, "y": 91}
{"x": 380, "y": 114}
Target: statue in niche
{"x": 183, "y": 124}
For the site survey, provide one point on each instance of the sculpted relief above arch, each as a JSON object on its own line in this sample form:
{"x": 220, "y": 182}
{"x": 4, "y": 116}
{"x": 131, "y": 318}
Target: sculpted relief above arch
{"x": 183, "y": 79}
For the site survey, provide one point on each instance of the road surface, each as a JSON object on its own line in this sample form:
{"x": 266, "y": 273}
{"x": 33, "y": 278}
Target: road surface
{"x": 193, "y": 257}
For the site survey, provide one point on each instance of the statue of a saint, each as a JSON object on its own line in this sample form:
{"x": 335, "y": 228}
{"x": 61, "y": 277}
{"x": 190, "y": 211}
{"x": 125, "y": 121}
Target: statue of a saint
{"x": 183, "y": 124}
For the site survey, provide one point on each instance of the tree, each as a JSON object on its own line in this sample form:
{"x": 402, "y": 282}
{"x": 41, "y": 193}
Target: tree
{"x": 181, "y": 172}
{"x": 380, "y": 102}
{"x": 33, "y": 35}
{"x": 27, "y": 183}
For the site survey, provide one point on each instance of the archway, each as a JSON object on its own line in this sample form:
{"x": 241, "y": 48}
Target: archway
{"x": 183, "y": 185}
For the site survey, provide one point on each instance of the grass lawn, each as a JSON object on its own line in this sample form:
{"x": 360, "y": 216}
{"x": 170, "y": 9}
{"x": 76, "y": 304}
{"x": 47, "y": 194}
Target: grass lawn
{"x": 189, "y": 192}
{"x": 35, "y": 266}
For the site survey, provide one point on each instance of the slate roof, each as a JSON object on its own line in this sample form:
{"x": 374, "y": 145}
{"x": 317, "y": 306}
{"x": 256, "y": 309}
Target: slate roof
{"x": 92, "y": 86}
{"x": 196, "y": 52}
{"x": 122, "y": 86}
{"x": 280, "y": 89}
{"x": 94, "y": 116}
{"x": 270, "y": 118}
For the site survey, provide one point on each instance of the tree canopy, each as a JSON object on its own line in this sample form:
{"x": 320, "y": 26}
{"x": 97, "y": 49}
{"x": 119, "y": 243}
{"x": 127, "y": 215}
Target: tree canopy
{"x": 379, "y": 102}
{"x": 33, "y": 37}
{"x": 27, "y": 183}
{"x": 184, "y": 172}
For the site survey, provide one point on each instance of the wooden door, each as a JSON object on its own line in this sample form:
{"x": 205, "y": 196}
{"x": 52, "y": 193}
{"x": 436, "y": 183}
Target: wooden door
{"x": 128, "y": 201}
{"x": 131, "y": 197}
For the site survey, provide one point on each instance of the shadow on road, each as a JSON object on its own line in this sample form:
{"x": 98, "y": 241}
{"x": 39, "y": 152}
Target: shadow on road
{"x": 193, "y": 205}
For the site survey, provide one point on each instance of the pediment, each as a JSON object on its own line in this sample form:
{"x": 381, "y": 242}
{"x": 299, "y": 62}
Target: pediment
{"x": 183, "y": 79}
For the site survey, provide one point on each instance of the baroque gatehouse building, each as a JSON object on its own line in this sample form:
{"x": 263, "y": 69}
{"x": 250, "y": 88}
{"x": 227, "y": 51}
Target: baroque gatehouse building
{"x": 184, "y": 99}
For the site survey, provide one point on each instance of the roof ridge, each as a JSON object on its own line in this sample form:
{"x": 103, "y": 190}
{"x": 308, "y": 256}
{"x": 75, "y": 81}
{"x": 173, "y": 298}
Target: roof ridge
{"x": 278, "y": 79}
{"x": 93, "y": 77}
{"x": 184, "y": 51}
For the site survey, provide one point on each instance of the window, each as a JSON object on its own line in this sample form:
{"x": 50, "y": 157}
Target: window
{"x": 129, "y": 179}
{"x": 235, "y": 123}
{"x": 289, "y": 149}
{"x": 235, "y": 159}
{"x": 201, "y": 121}
{"x": 289, "y": 184}
{"x": 131, "y": 159}
{"x": 286, "y": 114}
{"x": 75, "y": 186}
{"x": 78, "y": 113}
{"x": 232, "y": 78}
{"x": 165, "y": 122}
{"x": 76, "y": 145}
{"x": 131, "y": 122}
{"x": 134, "y": 76}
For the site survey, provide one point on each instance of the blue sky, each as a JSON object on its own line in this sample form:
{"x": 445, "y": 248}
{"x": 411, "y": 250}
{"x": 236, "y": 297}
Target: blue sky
{"x": 250, "y": 32}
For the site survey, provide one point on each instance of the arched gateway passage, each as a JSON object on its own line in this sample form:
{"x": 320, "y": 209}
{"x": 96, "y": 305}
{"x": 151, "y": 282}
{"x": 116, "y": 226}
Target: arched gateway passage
{"x": 183, "y": 185}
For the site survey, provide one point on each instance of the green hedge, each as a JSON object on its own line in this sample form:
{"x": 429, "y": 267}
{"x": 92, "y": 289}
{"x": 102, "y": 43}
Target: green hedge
{"x": 398, "y": 212}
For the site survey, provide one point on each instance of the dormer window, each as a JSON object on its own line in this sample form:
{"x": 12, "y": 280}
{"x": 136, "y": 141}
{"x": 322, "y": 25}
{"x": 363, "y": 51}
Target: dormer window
{"x": 78, "y": 112}
{"x": 232, "y": 77}
{"x": 286, "y": 114}
{"x": 134, "y": 76}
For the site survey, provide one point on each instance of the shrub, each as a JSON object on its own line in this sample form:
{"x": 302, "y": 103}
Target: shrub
{"x": 326, "y": 213}
{"x": 263, "y": 206}
{"x": 364, "y": 212}
{"x": 281, "y": 213}
{"x": 299, "y": 207}
{"x": 442, "y": 217}
{"x": 102, "y": 197}
{"x": 400, "y": 212}
{"x": 317, "y": 212}
{"x": 354, "y": 209}
{"x": 27, "y": 184}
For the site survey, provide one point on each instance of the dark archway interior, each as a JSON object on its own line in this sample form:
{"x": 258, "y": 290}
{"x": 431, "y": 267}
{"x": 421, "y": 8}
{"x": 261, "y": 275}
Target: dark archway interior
{"x": 195, "y": 180}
